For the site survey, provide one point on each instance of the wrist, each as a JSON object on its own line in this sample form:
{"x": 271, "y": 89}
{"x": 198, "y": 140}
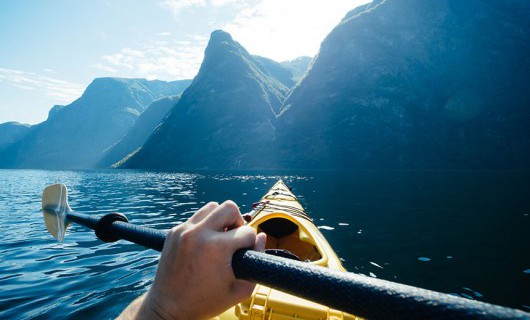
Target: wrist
{"x": 153, "y": 308}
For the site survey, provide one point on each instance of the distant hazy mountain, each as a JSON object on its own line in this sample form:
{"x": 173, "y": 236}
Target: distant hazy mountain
{"x": 298, "y": 66}
{"x": 11, "y": 132}
{"x": 416, "y": 84}
{"x": 140, "y": 132}
{"x": 288, "y": 72}
{"x": 75, "y": 136}
{"x": 226, "y": 116}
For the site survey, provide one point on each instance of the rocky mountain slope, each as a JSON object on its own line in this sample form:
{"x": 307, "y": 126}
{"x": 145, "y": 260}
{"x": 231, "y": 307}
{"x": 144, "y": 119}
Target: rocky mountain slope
{"x": 415, "y": 84}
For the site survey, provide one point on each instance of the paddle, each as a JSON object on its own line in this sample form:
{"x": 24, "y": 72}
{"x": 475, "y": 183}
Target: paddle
{"x": 356, "y": 294}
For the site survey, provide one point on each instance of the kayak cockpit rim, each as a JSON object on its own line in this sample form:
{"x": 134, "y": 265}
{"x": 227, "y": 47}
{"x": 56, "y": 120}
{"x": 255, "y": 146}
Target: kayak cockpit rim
{"x": 297, "y": 240}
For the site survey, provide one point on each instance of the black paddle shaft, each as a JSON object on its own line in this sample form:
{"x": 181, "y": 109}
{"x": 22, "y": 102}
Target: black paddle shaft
{"x": 353, "y": 293}
{"x": 361, "y": 295}
{"x": 115, "y": 226}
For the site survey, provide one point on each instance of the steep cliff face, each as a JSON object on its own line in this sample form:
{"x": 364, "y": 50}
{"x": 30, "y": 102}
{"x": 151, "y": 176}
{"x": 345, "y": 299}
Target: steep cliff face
{"x": 415, "y": 84}
{"x": 298, "y": 67}
{"x": 139, "y": 132}
{"x": 287, "y": 72}
{"x": 75, "y": 136}
{"x": 224, "y": 119}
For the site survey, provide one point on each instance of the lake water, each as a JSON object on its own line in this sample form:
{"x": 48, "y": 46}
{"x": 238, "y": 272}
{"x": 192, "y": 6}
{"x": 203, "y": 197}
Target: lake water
{"x": 466, "y": 233}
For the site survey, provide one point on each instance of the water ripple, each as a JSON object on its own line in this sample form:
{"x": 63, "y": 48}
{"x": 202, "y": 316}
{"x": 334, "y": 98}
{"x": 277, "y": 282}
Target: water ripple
{"x": 373, "y": 218}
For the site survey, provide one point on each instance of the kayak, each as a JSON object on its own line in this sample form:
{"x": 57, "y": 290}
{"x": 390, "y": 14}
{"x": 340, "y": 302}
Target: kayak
{"x": 291, "y": 233}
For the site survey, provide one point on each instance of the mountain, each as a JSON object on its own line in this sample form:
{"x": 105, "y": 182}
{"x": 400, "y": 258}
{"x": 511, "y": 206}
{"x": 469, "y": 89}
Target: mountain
{"x": 11, "y": 132}
{"x": 226, "y": 117}
{"x": 439, "y": 84}
{"x": 298, "y": 67}
{"x": 76, "y": 135}
{"x": 140, "y": 132}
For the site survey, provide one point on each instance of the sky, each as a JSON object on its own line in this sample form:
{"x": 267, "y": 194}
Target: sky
{"x": 50, "y": 51}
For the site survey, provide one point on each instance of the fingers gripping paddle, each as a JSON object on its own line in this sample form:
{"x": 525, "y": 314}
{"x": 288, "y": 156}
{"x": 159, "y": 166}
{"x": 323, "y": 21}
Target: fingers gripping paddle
{"x": 349, "y": 292}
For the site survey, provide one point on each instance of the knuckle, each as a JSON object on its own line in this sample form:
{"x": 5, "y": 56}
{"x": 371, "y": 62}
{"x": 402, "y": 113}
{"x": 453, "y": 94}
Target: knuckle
{"x": 248, "y": 231}
{"x": 175, "y": 231}
{"x": 248, "y": 235}
{"x": 212, "y": 205}
{"x": 187, "y": 238}
{"x": 231, "y": 205}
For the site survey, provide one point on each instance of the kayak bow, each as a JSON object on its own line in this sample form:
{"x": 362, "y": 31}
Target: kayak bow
{"x": 292, "y": 234}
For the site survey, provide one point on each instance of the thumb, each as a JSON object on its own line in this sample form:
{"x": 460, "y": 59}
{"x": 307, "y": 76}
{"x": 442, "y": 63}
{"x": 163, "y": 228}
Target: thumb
{"x": 261, "y": 241}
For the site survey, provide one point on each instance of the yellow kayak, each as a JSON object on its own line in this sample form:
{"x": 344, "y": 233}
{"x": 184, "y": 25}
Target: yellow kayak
{"x": 292, "y": 234}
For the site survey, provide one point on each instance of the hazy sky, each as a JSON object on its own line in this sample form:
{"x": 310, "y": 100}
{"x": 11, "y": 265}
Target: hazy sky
{"x": 51, "y": 50}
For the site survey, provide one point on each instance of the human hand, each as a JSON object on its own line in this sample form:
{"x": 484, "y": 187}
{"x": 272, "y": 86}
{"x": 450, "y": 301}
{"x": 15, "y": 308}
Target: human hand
{"x": 194, "y": 279}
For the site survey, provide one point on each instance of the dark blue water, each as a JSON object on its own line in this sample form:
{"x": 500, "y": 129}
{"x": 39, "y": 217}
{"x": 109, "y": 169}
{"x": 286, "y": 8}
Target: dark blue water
{"x": 466, "y": 233}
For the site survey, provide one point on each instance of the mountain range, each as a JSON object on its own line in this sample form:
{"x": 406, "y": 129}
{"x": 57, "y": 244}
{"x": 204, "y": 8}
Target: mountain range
{"x": 76, "y": 135}
{"x": 408, "y": 84}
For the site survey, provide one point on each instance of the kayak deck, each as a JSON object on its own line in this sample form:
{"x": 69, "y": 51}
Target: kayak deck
{"x": 292, "y": 234}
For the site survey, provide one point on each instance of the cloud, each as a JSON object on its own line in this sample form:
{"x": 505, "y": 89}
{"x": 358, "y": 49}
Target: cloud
{"x": 283, "y": 30}
{"x": 164, "y": 60}
{"x": 177, "y": 5}
{"x": 280, "y": 30}
{"x": 219, "y": 3}
{"x": 60, "y": 90}
{"x": 48, "y": 70}
{"x": 106, "y": 68}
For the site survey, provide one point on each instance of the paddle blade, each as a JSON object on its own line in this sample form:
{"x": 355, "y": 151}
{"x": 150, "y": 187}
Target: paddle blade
{"x": 54, "y": 209}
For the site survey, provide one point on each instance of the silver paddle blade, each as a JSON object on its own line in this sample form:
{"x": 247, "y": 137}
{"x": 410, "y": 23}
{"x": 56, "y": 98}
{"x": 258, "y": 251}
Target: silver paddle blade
{"x": 54, "y": 209}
